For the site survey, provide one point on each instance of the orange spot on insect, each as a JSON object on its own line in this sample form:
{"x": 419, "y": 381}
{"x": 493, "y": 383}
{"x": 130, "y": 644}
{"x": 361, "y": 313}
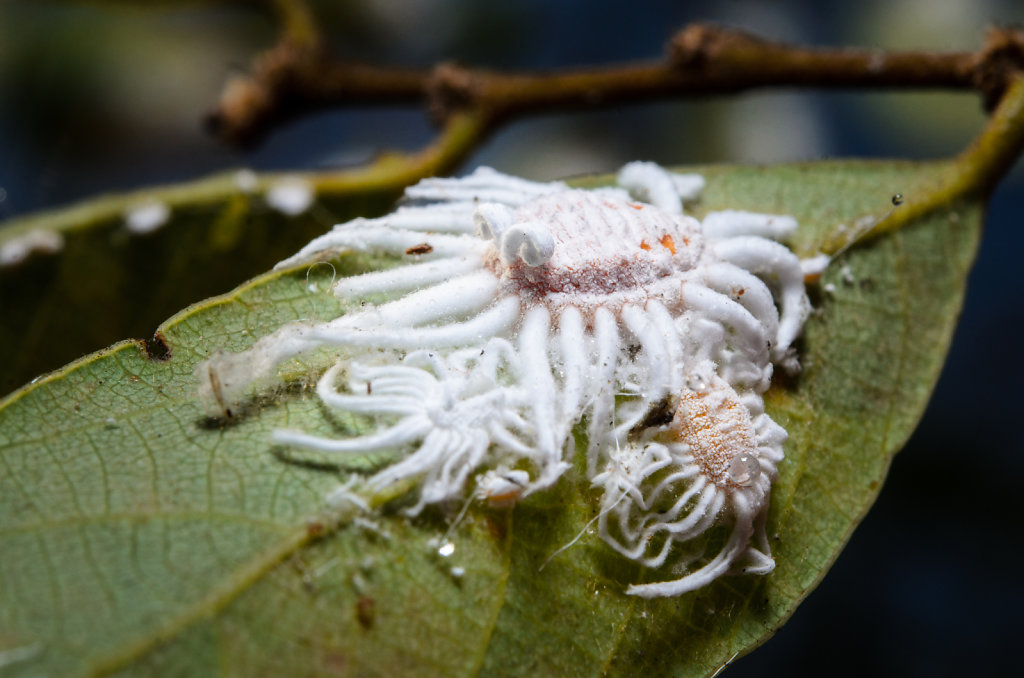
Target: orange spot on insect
{"x": 812, "y": 278}
{"x": 644, "y": 245}
{"x": 668, "y": 243}
{"x": 636, "y": 206}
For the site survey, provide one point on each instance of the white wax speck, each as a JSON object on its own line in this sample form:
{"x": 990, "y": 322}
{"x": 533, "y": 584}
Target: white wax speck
{"x": 40, "y": 240}
{"x": 13, "y": 252}
{"x": 147, "y": 217}
{"x": 246, "y": 180}
{"x": 290, "y": 196}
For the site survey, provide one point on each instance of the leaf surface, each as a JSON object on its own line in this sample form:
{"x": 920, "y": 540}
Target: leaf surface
{"x": 108, "y": 282}
{"x": 141, "y": 537}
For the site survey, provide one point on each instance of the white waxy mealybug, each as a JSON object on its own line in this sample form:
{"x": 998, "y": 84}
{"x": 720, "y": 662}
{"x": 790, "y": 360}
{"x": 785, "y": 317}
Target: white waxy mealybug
{"x": 527, "y": 309}
{"x": 715, "y": 459}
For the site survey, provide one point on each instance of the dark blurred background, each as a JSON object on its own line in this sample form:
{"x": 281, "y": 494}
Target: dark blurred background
{"x": 105, "y": 96}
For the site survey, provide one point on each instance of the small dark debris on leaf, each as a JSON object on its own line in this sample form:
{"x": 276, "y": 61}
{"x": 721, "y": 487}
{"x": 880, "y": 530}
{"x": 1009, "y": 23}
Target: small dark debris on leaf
{"x": 315, "y": 529}
{"x": 660, "y": 413}
{"x": 495, "y": 528}
{"x": 365, "y": 611}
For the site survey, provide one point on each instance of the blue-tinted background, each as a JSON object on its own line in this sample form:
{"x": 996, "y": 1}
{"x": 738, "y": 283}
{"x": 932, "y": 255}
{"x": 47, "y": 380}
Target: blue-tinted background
{"x": 105, "y": 96}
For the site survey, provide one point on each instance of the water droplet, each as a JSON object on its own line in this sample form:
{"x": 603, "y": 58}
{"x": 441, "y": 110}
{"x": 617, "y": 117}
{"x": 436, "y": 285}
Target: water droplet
{"x": 446, "y": 550}
{"x": 696, "y": 383}
{"x": 744, "y": 469}
{"x": 897, "y": 199}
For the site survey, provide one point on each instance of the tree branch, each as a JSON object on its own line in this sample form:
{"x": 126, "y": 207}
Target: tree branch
{"x": 297, "y": 76}
{"x": 701, "y": 60}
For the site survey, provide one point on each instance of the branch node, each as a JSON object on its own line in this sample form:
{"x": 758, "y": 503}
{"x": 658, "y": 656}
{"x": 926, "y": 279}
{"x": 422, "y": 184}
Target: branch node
{"x": 250, "y": 103}
{"x": 1001, "y": 59}
{"x": 698, "y": 45}
{"x": 451, "y": 88}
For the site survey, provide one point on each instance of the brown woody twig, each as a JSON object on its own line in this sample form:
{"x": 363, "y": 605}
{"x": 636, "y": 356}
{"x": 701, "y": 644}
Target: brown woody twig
{"x": 297, "y": 77}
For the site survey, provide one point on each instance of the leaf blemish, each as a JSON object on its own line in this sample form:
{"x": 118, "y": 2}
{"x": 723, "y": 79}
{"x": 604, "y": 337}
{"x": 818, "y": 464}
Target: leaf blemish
{"x": 366, "y": 611}
{"x": 315, "y": 529}
{"x": 156, "y": 348}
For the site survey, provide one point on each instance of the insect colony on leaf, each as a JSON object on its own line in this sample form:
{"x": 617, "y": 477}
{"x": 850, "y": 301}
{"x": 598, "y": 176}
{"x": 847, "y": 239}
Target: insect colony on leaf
{"x": 527, "y": 309}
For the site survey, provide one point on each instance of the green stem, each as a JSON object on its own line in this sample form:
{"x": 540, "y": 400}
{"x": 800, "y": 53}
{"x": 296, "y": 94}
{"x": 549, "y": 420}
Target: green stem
{"x": 974, "y": 173}
{"x": 298, "y": 23}
{"x": 390, "y": 172}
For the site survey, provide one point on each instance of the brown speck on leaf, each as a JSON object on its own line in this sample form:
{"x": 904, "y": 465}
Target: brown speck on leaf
{"x": 315, "y": 529}
{"x": 422, "y": 248}
{"x": 365, "y": 611}
{"x": 336, "y": 663}
{"x": 496, "y": 528}
{"x": 218, "y": 390}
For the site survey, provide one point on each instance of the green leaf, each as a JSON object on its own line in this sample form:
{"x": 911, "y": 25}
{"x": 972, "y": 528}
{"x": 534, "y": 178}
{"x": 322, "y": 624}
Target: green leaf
{"x": 107, "y": 283}
{"x": 141, "y": 537}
